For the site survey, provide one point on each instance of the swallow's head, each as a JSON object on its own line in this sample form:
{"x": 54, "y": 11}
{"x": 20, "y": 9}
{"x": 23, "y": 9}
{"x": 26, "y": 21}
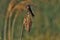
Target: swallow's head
{"x": 30, "y": 10}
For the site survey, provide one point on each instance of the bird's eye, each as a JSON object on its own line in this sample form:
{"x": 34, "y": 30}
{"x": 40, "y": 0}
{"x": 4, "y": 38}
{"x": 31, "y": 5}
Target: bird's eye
{"x": 27, "y": 6}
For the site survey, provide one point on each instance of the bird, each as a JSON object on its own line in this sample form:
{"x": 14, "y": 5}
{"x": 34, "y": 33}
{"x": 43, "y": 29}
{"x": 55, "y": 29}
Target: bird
{"x": 27, "y": 22}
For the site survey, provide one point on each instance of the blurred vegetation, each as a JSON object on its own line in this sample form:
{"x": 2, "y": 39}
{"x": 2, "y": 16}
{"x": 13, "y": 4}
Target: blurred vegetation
{"x": 46, "y": 23}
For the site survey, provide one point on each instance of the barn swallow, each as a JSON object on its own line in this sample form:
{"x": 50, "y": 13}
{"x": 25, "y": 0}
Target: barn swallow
{"x": 30, "y": 10}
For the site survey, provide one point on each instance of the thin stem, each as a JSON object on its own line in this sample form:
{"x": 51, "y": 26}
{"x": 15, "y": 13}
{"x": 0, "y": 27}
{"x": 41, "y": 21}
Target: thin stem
{"x": 10, "y": 7}
{"x": 9, "y": 26}
{"x": 5, "y": 26}
{"x": 22, "y": 32}
{"x": 13, "y": 23}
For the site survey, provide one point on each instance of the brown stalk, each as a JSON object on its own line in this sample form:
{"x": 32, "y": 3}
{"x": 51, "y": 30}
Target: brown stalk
{"x": 10, "y": 7}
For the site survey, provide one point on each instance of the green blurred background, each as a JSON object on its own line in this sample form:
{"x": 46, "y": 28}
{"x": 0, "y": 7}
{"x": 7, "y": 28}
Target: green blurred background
{"x": 46, "y": 23}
